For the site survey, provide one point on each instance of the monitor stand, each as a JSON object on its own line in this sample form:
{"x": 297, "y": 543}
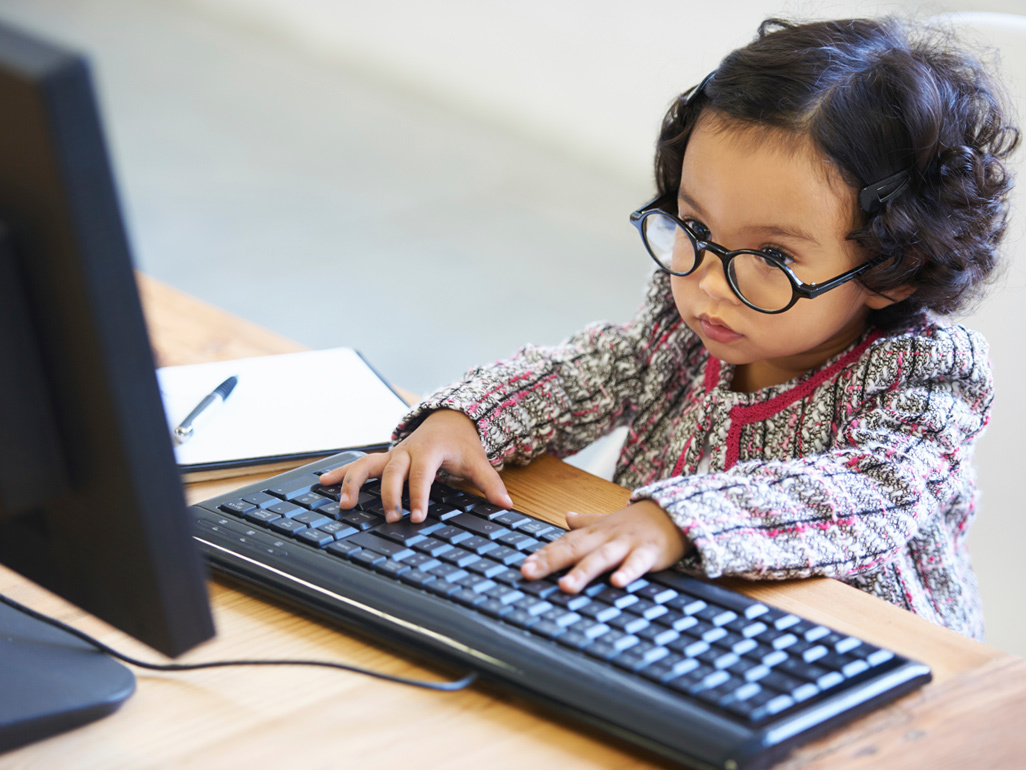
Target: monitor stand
{"x": 51, "y": 681}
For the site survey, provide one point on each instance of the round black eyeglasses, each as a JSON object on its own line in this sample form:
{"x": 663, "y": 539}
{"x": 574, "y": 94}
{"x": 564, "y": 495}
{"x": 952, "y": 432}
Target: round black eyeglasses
{"x": 759, "y": 278}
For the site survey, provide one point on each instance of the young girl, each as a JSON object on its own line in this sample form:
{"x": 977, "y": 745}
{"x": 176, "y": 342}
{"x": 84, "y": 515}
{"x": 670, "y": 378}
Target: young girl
{"x": 795, "y": 405}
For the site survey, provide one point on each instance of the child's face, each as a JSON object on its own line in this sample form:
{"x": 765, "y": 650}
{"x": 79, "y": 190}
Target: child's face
{"x": 755, "y": 190}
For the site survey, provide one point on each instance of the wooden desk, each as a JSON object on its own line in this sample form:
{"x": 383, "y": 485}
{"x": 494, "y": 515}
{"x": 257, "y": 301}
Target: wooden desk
{"x": 971, "y": 716}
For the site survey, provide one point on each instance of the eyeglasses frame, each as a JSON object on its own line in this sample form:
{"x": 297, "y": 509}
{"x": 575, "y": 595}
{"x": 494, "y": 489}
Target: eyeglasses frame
{"x": 799, "y": 289}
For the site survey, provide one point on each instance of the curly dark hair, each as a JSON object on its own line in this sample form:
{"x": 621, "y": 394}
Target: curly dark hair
{"x": 876, "y": 97}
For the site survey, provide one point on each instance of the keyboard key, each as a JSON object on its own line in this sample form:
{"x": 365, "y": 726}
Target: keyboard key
{"x": 533, "y": 605}
{"x": 640, "y": 656}
{"x": 476, "y": 583}
{"x": 785, "y": 622}
{"x": 332, "y": 492}
{"x": 646, "y": 609}
{"x": 536, "y": 528}
{"x": 366, "y": 558}
{"x": 459, "y": 557}
{"x": 508, "y": 576}
{"x": 450, "y": 534}
{"x": 656, "y": 594}
{"x": 478, "y": 545}
{"x": 561, "y": 617}
{"x": 416, "y": 577}
{"x": 506, "y": 555}
{"x": 478, "y": 526}
{"x": 315, "y": 537}
{"x": 404, "y": 531}
{"x": 260, "y": 499}
{"x": 599, "y": 612}
{"x": 574, "y": 639}
{"x": 687, "y": 604}
{"x": 362, "y": 519}
{"x": 467, "y": 597}
{"x": 487, "y": 567}
{"x": 630, "y": 624}
{"x": 543, "y": 589}
{"x": 879, "y": 657}
{"x": 520, "y": 618}
{"x": 754, "y": 629}
{"x": 293, "y": 487}
{"x": 486, "y": 510}
{"x": 432, "y": 547}
{"x": 311, "y": 518}
{"x": 518, "y": 540}
{"x": 678, "y": 623}
{"x": 343, "y": 548}
{"x": 510, "y": 519}
{"x": 309, "y": 500}
{"x": 570, "y": 601}
{"x": 847, "y": 644}
{"x": 617, "y": 597}
{"x": 505, "y": 594}
{"x": 285, "y": 509}
{"x": 285, "y": 526}
{"x": 391, "y": 567}
{"x": 442, "y": 587}
{"x": 448, "y": 572}
{"x": 548, "y": 629}
{"x": 263, "y": 517}
{"x": 494, "y": 608}
{"x": 380, "y": 545}
{"x": 238, "y": 507}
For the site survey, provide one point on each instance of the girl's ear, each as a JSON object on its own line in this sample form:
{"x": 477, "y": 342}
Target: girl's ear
{"x": 880, "y": 300}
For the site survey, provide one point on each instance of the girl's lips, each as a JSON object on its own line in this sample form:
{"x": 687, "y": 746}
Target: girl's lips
{"x": 718, "y": 331}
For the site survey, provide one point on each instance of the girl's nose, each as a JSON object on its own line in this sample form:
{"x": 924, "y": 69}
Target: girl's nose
{"x": 712, "y": 279}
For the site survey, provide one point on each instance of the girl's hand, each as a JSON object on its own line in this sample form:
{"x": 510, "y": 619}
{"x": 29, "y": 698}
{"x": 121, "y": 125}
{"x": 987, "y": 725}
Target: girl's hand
{"x": 637, "y": 539}
{"x": 446, "y": 440}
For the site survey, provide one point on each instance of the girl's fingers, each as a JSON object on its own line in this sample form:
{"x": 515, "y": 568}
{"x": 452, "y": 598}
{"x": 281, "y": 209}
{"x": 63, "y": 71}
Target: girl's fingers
{"x": 638, "y": 562}
{"x": 393, "y": 476}
{"x": 581, "y": 520}
{"x": 570, "y": 549}
{"x": 601, "y": 560}
{"x": 354, "y": 475}
{"x": 421, "y": 476}
{"x": 335, "y": 475}
{"x": 487, "y": 479}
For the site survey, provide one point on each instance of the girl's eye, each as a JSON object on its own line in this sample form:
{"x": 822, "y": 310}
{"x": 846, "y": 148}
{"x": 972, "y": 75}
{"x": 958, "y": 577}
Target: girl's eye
{"x": 778, "y": 254}
{"x": 701, "y": 231}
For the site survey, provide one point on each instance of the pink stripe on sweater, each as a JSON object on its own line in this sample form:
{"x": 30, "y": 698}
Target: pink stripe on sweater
{"x": 742, "y": 415}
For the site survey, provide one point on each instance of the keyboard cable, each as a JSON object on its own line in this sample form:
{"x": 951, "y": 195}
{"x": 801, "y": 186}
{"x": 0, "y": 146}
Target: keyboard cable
{"x": 452, "y": 686}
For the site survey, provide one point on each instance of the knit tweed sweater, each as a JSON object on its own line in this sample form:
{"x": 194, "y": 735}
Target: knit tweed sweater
{"x": 860, "y": 469}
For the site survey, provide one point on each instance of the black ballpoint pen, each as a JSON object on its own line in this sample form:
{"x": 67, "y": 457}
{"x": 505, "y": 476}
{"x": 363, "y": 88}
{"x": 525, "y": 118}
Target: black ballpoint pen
{"x": 184, "y": 431}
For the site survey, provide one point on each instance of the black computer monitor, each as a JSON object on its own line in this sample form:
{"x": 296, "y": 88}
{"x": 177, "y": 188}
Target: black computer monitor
{"x": 91, "y": 505}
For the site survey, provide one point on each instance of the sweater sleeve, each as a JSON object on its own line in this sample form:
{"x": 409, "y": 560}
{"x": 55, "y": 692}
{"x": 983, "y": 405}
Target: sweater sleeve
{"x": 898, "y": 462}
{"x": 560, "y": 398}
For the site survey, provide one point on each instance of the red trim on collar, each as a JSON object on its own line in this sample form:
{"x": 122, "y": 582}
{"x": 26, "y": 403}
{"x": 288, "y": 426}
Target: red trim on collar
{"x": 745, "y": 414}
{"x": 712, "y": 374}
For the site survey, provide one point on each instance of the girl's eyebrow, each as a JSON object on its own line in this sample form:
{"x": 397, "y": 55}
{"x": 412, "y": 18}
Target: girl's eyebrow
{"x": 769, "y": 230}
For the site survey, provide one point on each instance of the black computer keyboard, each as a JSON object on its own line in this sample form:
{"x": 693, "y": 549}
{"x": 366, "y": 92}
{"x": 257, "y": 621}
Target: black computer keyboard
{"x": 693, "y": 671}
